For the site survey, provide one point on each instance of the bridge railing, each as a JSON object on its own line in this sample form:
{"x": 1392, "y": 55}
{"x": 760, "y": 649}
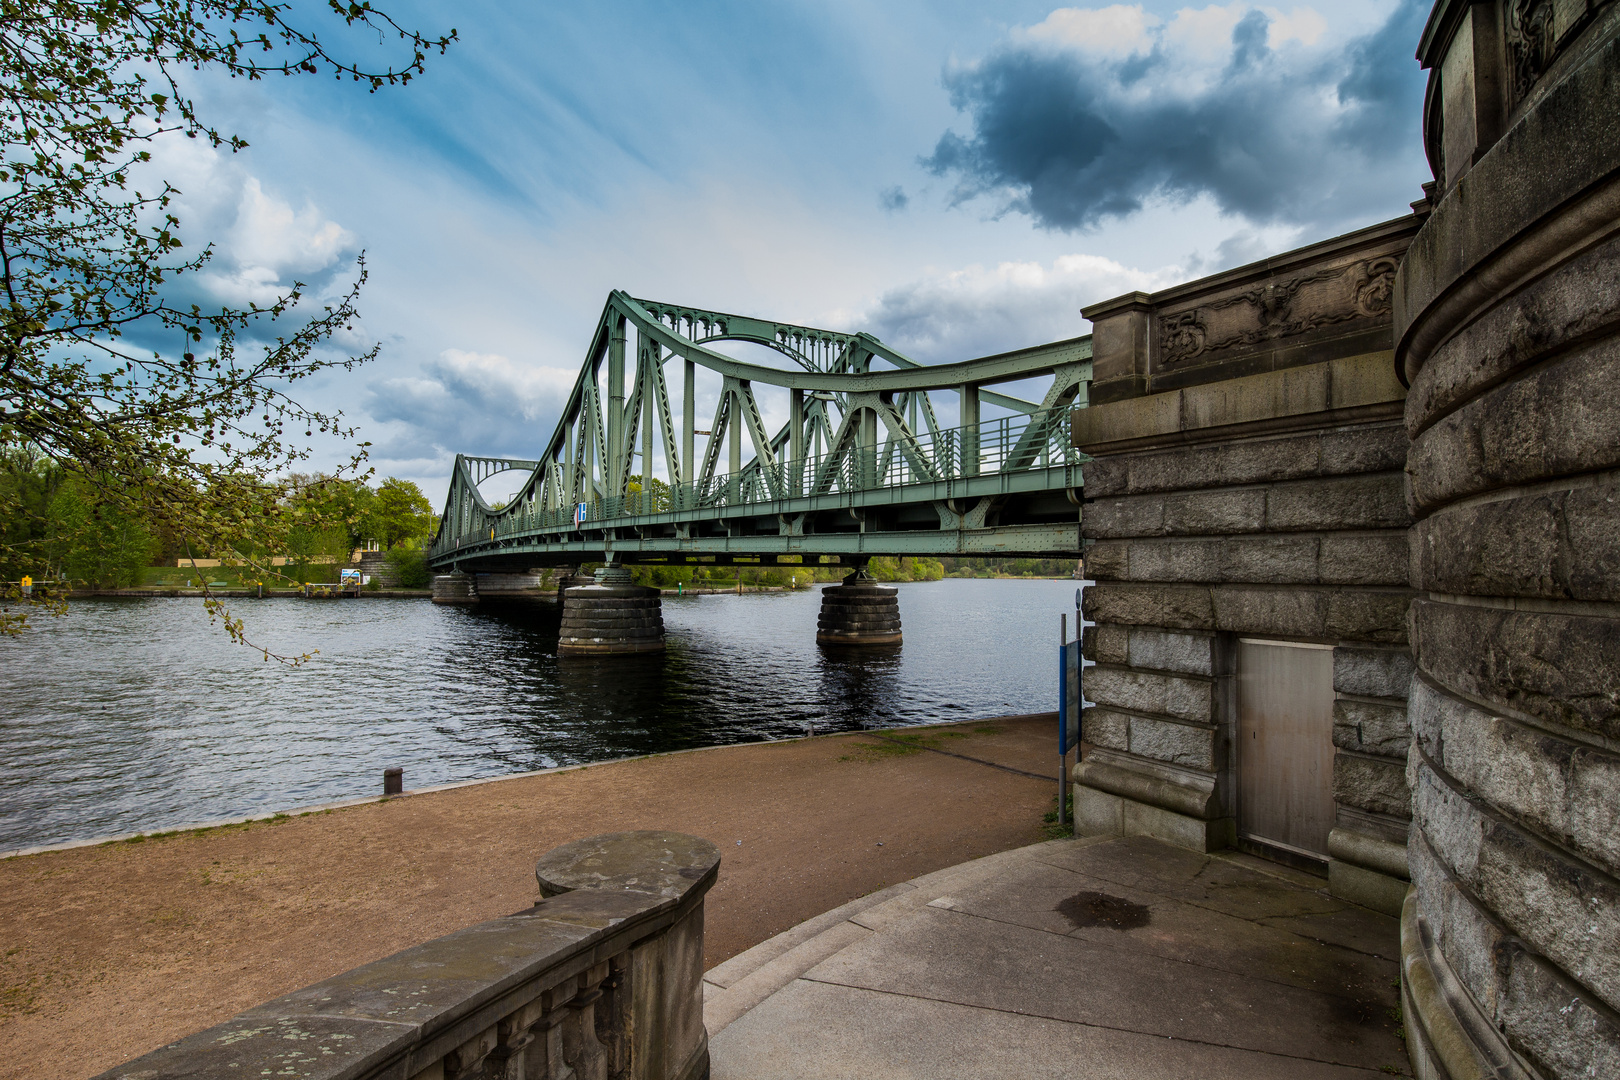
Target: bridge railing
{"x": 1005, "y": 444}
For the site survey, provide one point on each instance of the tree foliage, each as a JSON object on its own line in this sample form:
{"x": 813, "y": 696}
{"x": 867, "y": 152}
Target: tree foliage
{"x": 189, "y": 441}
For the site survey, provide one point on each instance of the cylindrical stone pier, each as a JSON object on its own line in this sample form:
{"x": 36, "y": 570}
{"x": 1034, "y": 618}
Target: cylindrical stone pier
{"x": 572, "y": 579}
{"x": 859, "y": 612}
{"x": 456, "y": 588}
{"x": 611, "y": 617}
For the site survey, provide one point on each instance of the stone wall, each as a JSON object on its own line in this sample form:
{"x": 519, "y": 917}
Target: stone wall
{"x": 1247, "y": 482}
{"x": 1507, "y": 316}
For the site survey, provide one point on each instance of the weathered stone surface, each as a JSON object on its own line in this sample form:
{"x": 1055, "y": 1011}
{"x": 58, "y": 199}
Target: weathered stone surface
{"x": 1580, "y": 298}
{"x": 1106, "y": 728}
{"x": 1277, "y": 611}
{"x": 1554, "y": 421}
{"x": 1558, "y": 905}
{"x": 1191, "y": 654}
{"x": 1341, "y": 451}
{"x": 1377, "y": 501}
{"x": 1558, "y": 667}
{"x": 1203, "y": 513}
{"x": 1139, "y": 782}
{"x": 1152, "y": 692}
{"x": 1368, "y": 615}
{"x": 1371, "y": 729}
{"x": 1375, "y": 784}
{"x": 1175, "y": 607}
{"x": 1385, "y": 673}
{"x": 653, "y": 861}
{"x": 1512, "y": 190}
{"x": 1549, "y": 1019}
{"x": 1364, "y": 559}
{"x": 1108, "y": 644}
{"x": 1187, "y": 745}
{"x": 1354, "y": 559}
{"x": 1559, "y": 545}
{"x": 1566, "y": 791}
{"x": 1108, "y": 560}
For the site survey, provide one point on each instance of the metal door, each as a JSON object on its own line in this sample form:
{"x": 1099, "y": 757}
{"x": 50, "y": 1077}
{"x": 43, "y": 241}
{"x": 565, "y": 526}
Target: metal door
{"x": 1285, "y": 743}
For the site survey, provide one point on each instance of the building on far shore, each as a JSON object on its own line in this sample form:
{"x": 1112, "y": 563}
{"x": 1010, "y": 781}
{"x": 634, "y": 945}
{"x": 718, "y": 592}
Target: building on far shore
{"x": 1354, "y": 521}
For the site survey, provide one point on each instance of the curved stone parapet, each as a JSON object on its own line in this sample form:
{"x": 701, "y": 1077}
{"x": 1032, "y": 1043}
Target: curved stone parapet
{"x": 603, "y": 977}
{"x": 859, "y": 612}
{"x": 457, "y": 588}
{"x": 1507, "y": 321}
{"x": 611, "y": 617}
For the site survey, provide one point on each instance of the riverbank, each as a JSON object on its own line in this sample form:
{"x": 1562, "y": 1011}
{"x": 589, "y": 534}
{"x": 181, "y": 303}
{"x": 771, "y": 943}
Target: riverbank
{"x": 115, "y": 949}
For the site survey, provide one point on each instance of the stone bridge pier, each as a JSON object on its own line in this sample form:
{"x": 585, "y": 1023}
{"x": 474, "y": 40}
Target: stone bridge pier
{"x": 859, "y": 611}
{"x": 611, "y": 617}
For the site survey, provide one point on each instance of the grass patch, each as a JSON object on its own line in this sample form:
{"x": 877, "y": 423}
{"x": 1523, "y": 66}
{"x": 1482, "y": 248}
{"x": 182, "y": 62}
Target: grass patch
{"x": 1054, "y": 829}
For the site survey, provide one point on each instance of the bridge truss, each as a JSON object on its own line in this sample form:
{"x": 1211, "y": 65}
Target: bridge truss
{"x": 862, "y": 466}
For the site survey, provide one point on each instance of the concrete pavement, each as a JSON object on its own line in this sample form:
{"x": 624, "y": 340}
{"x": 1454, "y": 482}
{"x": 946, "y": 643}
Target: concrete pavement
{"x": 1111, "y": 957}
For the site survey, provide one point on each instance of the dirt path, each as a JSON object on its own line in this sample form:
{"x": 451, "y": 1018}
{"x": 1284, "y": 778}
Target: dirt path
{"x": 107, "y": 952}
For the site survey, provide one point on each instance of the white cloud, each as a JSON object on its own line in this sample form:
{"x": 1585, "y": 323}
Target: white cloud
{"x": 1118, "y": 30}
{"x": 978, "y": 311}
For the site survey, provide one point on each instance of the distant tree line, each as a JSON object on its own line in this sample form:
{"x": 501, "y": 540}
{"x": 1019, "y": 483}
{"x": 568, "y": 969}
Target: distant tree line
{"x": 60, "y": 524}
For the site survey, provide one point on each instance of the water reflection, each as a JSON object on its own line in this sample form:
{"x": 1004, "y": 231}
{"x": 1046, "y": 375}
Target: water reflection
{"x": 134, "y": 714}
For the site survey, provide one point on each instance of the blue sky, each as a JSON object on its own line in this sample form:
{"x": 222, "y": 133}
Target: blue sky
{"x": 957, "y": 178}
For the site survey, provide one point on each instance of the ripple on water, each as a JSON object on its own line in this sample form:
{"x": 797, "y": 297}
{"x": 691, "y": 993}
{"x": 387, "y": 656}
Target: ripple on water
{"x": 132, "y": 715}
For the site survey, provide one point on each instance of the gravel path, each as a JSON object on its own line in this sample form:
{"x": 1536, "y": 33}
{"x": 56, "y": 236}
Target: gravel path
{"x": 107, "y": 952}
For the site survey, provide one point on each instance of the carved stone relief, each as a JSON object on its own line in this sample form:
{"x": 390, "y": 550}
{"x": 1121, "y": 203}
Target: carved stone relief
{"x": 1279, "y": 309}
{"x": 1531, "y": 42}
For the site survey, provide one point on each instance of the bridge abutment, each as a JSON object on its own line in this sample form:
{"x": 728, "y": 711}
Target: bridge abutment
{"x": 859, "y": 611}
{"x": 611, "y": 617}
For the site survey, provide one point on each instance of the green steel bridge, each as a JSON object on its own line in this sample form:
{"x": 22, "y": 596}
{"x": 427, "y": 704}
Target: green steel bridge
{"x": 862, "y": 467}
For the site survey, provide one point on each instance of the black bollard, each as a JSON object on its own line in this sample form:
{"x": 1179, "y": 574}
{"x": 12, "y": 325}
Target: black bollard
{"x": 393, "y": 781}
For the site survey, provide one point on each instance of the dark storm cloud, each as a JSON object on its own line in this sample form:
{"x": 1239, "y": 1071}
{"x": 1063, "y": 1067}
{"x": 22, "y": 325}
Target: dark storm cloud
{"x": 1301, "y": 135}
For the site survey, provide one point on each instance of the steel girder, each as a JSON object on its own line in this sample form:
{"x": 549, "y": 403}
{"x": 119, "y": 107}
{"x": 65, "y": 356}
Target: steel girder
{"x": 859, "y": 440}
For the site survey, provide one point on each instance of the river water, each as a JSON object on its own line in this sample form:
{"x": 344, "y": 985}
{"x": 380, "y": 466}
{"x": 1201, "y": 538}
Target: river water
{"x": 137, "y": 715}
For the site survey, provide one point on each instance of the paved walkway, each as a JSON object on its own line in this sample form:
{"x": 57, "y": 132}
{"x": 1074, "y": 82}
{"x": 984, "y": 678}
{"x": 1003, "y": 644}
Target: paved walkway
{"x": 1107, "y": 958}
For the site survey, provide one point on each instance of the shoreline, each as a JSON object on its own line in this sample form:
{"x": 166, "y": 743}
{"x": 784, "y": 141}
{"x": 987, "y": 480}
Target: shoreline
{"x": 157, "y": 592}
{"x": 364, "y": 800}
{"x": 116, "y": 949}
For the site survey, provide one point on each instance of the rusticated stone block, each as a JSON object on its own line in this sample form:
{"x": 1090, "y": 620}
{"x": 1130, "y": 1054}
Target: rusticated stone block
{"x": 1265, "y": 559}
{"x": 1107, "y": 644}
{"x": 1277, "y": 611}
{"x": 1105, "y": 519}
{"x": 1187, "y": 745}
{"x": 1184, "y": 607}
{"x": 1364, "y": 559}
{"x": 1383, "y": 673}
{"x": 1560, "y": 545}
{"x": 1145, "y": 691}
{"x": 1557, "y": 420}
{"x": 1558, "y": 667}
{"x": 1203, "y": 513}
{"x": 1368, "y": 615}
{"x": 1553, "y": 1022}
{"x": 1564, "y": 790}
{"x": 1191, "y": 654}
{"x": 1375, "y": 784}
{"x": 1582, "y": 296}
{"x": 1363, "y": 448}
{"x": 1352, "y": 502}
{"x": 1106, "y": 728}
{"x": 1558, "y": 905}
{"x": 1371, "y": 729}
{"x": 1108, "y": 560}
